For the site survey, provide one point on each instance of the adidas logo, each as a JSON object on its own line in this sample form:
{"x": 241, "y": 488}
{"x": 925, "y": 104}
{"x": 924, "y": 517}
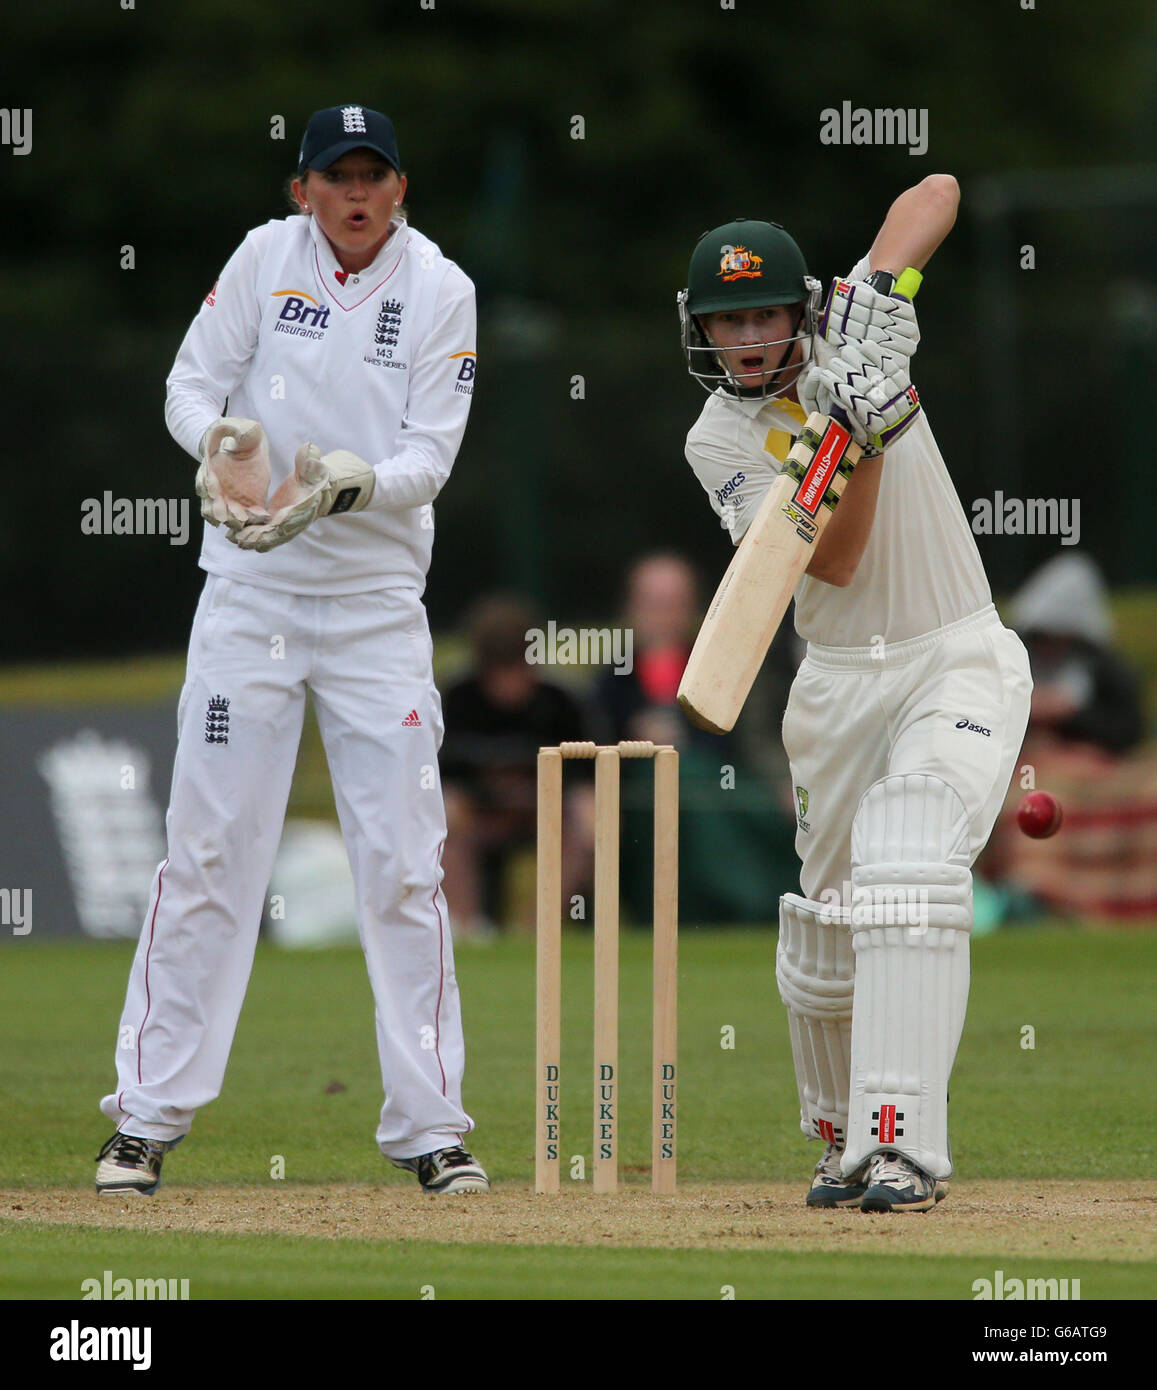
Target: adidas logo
{"x": 412, "y": 721}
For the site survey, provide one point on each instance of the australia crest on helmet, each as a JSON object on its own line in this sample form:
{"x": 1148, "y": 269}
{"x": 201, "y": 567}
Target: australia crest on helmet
{"x": 738, "y": 263}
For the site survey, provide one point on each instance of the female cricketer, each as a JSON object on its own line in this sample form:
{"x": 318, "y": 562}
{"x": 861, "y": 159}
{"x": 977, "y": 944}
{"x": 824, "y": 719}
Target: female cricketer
{"x": 908, "y": 709}
{"x": 334, "y": 362}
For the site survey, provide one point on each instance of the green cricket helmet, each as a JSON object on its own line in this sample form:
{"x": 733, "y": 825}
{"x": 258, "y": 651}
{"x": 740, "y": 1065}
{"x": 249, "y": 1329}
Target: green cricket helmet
{"x": 745, "y": 265}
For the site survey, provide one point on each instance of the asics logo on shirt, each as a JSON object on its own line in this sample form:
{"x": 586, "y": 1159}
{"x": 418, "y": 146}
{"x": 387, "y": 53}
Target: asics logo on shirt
{"x": 732, "y": 485}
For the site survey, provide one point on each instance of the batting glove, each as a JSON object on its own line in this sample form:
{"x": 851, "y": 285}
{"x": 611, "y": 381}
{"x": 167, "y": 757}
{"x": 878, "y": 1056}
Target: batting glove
{"x": 857, "y": 313}
{"x": 318, "y": 486}
{"x": 814, "y": 394}
{"x": 233, "y": 479}
{"x": 876, "y": 395}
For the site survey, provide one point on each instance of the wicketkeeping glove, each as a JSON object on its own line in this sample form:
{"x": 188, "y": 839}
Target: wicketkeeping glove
{"x": 233, "y": 479}
{"x": 873, "y": 390}
{"x": 339, "y": 482}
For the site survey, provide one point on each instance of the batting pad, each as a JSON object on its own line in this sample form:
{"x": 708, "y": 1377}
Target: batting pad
{"x": 815, "y": 968}
{"x": 911, "y": 916}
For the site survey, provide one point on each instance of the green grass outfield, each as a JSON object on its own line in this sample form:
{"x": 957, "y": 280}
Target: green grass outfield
{"x": 1077, "y": 1104}
{"x": 48, "y": 1262}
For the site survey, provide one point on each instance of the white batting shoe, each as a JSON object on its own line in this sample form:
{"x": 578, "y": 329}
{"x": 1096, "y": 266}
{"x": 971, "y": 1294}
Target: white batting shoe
{"x": 130, "y": 1166}
{"x": 830, "y": 1188}
{"x": 896, "y": 1184}
{"x": 447, "y": 1172}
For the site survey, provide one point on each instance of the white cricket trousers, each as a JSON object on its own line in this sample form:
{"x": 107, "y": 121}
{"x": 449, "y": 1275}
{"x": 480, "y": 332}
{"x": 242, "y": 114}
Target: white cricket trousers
{"x": 952, "y": 704}
{"x": 367, "y": 659}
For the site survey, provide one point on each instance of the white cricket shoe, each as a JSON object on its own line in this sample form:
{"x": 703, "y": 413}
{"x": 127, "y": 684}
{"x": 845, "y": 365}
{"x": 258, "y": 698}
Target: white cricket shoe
{"x": 830, "y": 1188}
{"x": 447, "y": 1172}
{"x": 132, "y": 1166}
{"x": 896, "y": 1184}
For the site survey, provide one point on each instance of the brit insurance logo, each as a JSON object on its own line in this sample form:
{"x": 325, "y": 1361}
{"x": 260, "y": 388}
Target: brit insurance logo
{"x": 464, "y": 384}
{"x": 301, "y": 315}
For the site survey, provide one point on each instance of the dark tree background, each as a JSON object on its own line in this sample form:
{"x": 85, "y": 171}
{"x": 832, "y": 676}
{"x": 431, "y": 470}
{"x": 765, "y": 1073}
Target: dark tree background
{"x": 152, "y": 129}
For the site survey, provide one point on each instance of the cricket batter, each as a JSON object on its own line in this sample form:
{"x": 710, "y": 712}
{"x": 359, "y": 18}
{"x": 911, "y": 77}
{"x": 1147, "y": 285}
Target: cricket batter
{"x": 907, "y": 714}
{"x": 334, "y": 362}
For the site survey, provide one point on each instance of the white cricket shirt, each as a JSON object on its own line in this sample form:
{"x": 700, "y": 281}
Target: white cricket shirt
{"x": 921, "y": 569}
{"x": 380, "y": 362}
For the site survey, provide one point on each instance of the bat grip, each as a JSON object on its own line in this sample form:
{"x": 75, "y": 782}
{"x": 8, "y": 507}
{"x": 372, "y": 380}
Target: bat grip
{"x": 882, "y": 281}
{"x": 904, "y": 287}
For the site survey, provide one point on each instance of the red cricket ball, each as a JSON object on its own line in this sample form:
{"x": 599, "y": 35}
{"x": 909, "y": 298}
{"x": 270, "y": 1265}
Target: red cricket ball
{"x": 1039, "y": 815}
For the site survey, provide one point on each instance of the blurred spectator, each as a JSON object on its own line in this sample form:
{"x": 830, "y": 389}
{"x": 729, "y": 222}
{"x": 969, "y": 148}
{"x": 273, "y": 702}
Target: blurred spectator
{"x": 1083, "y": 692}
{"x": 661, "y": 610}
{"x": 1085, "y": 745}
{"x": 736, "y": 842}
{"x": 497, "y": 717}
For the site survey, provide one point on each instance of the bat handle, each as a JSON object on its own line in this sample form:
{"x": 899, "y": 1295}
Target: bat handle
{"x": 882, "y": 281}
{"x": 905, "y": 285}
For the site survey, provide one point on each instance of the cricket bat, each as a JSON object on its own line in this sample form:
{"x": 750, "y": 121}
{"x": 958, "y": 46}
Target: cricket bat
{"x": 767, "y": 566}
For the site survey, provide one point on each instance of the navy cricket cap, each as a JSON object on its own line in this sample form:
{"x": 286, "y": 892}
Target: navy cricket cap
{"x": 339, "y": 129}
